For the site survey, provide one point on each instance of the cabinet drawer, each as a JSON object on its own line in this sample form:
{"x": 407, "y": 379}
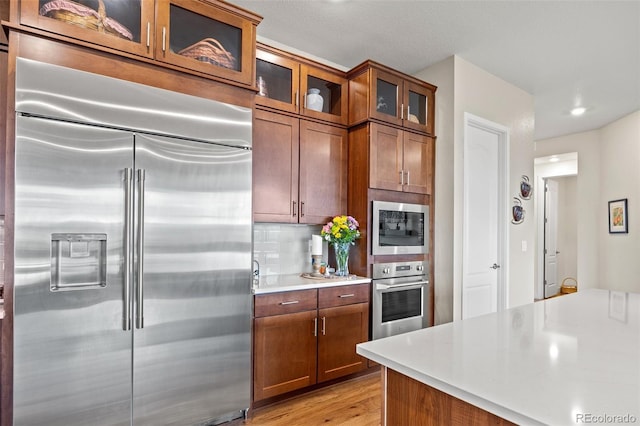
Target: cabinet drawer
{"x": 343, "y": 295}
{"x": 285, "y": 302}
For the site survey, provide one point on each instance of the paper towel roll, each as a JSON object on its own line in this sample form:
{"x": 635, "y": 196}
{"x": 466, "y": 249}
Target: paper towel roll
{"x": 316, "y": 245}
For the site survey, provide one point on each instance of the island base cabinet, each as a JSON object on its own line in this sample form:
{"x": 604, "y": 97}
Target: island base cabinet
{"x": 285, "y": 353}
{"x": 411, "y": 403}
{"x": 341, "y": 329}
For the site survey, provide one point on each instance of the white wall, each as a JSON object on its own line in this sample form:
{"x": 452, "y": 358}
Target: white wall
{"x": 441, "y": 75}
{"x": 620, "y": 178}
{"x": 609, "y": 160}
{"x": 484, "y": 95}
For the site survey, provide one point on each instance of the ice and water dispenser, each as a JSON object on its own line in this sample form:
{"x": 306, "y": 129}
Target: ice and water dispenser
{"x": 78, "y": 261}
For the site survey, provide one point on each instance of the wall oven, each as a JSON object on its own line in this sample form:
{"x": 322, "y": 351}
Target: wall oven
{"x": 399, "y": 228}
{"x": 401, "y": 298}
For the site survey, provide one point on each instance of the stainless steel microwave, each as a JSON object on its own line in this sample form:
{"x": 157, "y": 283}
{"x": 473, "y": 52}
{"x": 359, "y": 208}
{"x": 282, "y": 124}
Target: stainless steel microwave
{"x": 399, "y": 228}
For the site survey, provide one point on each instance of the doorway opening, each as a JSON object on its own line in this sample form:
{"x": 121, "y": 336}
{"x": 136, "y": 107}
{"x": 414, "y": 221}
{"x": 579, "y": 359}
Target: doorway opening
{"x": 555, "y": 202}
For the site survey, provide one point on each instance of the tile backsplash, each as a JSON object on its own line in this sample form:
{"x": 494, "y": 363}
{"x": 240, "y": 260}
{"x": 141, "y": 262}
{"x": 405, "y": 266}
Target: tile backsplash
{"x": 284, "y": 248}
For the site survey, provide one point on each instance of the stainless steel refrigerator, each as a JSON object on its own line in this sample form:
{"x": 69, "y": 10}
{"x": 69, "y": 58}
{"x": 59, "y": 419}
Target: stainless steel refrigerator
{"x": 132, "y": 253}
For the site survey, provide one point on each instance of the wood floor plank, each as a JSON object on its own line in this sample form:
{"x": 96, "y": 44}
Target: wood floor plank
{"x": 356, "y": 402}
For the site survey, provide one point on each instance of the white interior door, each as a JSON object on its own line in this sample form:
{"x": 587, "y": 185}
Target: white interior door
{"x": 483, "y": 221}
{"x": 551, "y": 286}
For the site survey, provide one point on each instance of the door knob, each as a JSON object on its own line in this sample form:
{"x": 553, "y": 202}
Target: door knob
{"x": 494, "y": 266}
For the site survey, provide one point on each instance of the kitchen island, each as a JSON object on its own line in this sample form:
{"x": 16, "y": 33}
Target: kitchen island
{"x": 573, "y": 359}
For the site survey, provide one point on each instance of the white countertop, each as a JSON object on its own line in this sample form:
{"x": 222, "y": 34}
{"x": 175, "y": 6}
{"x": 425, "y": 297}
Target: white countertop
{"x": 543, "y": 363}
{"x": 276, "y": 283}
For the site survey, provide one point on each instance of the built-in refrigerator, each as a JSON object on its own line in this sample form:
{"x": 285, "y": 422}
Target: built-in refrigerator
{"x": 132, "y": 253}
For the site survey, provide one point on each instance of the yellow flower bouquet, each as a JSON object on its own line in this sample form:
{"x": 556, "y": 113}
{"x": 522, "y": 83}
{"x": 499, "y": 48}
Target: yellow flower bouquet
{"x": 341, "y": 232}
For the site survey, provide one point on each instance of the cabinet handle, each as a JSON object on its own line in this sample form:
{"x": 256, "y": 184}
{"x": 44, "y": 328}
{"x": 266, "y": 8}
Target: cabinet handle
{"x": 408, "y": 178}
{"x": 297, "y": 98}
{"x": 164, "y": 39}
{"x": 302, "y": 209}
{"x": 324, "y": 323}
{"x": 401, "y": 111}
{"x": 401, "y": 177}
{"x": 148, "y": 34}
{"x": 315, "y": 327}
{"x": 304, "y": 100}
{"x": 290, "y": 302}
{"x": 294, "y": 209}
{"x": 346, "y": 295}
{"x": 408, "y": 111}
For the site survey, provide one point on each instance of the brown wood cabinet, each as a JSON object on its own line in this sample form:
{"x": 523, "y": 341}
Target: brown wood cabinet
{"x": 284, "y": 353}
{"x": 342, "y": 328}
{"x": 296, "y": 346}
{"x": 125, "y": 26}
{"x": 377, "y": 92}
{"x": 299, "y": 169}
{"x": 284, "y": 81}
{"x": 400, "y": 160}
{"x": 210, "y": 37}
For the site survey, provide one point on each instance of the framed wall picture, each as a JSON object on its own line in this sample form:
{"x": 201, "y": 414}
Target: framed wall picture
{"x": 618, "y": 221}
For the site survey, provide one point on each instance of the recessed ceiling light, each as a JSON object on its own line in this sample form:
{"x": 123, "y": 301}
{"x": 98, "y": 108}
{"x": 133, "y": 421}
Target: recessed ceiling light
{"x": 578, "y": 111}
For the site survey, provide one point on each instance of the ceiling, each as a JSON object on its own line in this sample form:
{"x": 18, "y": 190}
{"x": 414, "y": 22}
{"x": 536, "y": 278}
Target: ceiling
{"x": 564, "y": 53}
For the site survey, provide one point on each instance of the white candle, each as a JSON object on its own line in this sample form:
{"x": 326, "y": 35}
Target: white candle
{"x": 316, "y": 245}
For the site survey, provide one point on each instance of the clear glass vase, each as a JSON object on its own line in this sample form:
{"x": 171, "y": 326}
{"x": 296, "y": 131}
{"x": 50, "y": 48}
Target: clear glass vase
{"x": 342, "y": 258}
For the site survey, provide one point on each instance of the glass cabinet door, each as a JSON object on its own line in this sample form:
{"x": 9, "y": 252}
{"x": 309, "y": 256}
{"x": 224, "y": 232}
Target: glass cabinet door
{"x": 386, "y": 97}
{"x": 205, "y": 38}
{"x": 277, "y": 80}
{"x": 419, "y": 105}
{"x": 122, "y": 25}
{"x": 324, "y": 95}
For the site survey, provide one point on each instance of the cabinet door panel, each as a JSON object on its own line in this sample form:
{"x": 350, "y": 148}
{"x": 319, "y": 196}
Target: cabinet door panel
{"x": 207, "y": 39}
{"x": 278, "y": 79}
{"x": 275, "y": 167}
{"x": 419, "y": 106}
{"x": 323, "y": 172}
{"x": 126, "y": 26}
{"x": 341, "y": 328}
{"x": 386, "y": 158}
{"x": 333, "y": 89}
{"x": 386, "y": 100}
{"x": 285, "y": 354}
{"x": 417, "y": 163}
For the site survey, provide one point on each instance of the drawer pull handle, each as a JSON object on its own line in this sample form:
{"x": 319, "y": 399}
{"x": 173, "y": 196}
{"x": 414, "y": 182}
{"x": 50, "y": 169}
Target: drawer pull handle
{"x": 292, "y": 302}
{"x": 346, "y": 295}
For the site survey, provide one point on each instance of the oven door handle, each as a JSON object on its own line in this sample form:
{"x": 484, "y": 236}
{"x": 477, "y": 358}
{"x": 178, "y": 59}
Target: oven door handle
{"x": 404, "y": 286}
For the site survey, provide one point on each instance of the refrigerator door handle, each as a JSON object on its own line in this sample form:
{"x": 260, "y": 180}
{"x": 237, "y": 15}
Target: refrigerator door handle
{"x": 140, "y": 247}
{"x": 128, "y": 223}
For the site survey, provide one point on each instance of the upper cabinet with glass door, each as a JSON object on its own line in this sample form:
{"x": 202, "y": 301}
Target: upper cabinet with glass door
{"x": 380, "y": 93}
{"x": 125, "y": 25}
{"x": 290, "y": 83}
{"x": 209, "y": 36}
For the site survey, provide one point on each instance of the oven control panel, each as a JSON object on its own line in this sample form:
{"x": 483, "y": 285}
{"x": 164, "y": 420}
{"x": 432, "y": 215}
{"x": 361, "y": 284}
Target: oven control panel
{"x": 399, "y": 269}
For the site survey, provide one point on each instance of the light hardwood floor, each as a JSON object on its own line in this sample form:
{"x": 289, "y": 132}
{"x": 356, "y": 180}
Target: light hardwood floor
{"x": 356, "y": 402}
